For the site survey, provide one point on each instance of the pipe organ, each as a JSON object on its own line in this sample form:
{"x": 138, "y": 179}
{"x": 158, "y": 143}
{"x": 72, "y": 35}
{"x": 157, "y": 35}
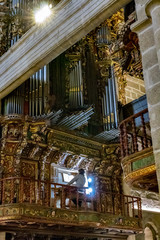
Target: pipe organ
{"x": 14, "y": 102}
{"x": 81, "y": 78}
{"x": 109, "y": 103}
{"x": 103, "y": 35}
{"x": 37, "y": 89}
{"x": 31, "y": 97}
{"x": 109, "y": 98}
{"x": 76, "y": 86}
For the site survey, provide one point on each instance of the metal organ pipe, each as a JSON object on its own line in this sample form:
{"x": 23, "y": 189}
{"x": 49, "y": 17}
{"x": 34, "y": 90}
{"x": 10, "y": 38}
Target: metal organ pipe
{"x": 114, "y": 98}
{"x": 76, "y": 86}
{"x": 36, "y": 92}
{"x": 81, "y": 84}
{"x": 108, "y": 108}
{"x": 30, "y": 97}
{"x": 109, "y": 104}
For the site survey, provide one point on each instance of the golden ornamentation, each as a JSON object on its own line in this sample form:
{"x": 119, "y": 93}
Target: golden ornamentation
{"x": 139, "y": 173}
{"x": 69, "y": 217}
{"x": 38, "y": 132}
{"x": 66, "y": 146}
{"x": 11, "y": 211}
{"x": 121, "y": 221}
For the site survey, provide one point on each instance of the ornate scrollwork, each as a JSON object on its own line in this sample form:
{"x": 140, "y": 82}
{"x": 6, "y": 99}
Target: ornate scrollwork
{"x": 69, "y": 217}
{"x": 38, "y": 132}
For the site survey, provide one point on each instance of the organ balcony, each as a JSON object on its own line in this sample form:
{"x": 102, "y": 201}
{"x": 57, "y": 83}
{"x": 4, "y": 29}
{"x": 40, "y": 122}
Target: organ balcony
{"x": 36, "y": 162}
{"x": 37, "y": 205}
{"x": 137, "y": 152}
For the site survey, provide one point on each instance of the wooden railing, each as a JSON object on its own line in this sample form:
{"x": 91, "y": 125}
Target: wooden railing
{"x": 25, "y": 190}
{"x": 135, "y": 133}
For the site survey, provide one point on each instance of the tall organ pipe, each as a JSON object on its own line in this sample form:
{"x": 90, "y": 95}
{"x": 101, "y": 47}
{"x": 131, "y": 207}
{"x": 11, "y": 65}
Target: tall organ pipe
{"x": 114, "y": 97}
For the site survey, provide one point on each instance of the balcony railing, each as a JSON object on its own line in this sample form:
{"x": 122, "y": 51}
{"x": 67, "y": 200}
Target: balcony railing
{"x": 135, "y": 133}
{"x": 49, "y": 194}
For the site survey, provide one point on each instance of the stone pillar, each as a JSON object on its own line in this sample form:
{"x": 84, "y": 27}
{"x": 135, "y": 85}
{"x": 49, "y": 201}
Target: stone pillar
{"x": 131, "y": 237}
{"x": 153, "y": 11}
{"x": 148, "y": 40}
{"x": 3, "y": 235}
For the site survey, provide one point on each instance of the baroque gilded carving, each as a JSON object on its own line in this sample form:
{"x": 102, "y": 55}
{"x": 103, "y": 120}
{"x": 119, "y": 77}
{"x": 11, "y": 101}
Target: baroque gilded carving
{"x": 38, "y": 132}
{"x": 12, "y": 143}
{"x": 75, "y": 148}
{"x": 141, "y": 172}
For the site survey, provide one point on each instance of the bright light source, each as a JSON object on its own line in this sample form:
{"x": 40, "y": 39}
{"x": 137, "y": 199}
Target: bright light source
{"x": 89, "y": 180}
{"x": 89, "y": 190}
{"x": 42, "y": 14}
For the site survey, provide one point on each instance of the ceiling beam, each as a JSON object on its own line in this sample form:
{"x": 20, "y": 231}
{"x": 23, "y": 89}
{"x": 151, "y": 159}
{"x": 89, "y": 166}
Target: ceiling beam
{"x": 71, "y": 20}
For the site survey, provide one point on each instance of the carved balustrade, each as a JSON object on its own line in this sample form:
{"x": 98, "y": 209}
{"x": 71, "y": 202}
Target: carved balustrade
{"x": 137, "y": 153}
{"x": 135, "y": 133}
{"x": 20, "y": 190}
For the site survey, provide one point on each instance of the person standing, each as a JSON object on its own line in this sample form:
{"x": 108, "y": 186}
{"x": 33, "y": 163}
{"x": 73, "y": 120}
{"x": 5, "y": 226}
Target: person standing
{"x": 80, "y": 181}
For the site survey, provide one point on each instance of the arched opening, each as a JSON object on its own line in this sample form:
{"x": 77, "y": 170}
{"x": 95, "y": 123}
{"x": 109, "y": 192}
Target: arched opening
{"x": 148, "y": 234}
{"x": 150, "y": 231}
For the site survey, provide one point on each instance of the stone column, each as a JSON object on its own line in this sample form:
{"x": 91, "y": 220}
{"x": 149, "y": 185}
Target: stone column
{"x": 3, "y": 235}
{"x": 153, "y": 11}
{"x": 145, "y": 28}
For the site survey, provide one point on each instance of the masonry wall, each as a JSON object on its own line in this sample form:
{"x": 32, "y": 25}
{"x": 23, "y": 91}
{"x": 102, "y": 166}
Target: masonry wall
{"x": 134, "y": 88}
{"x": 148, "y": 29}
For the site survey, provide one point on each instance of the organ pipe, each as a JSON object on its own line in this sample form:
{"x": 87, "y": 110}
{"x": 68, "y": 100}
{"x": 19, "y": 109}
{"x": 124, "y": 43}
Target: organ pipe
{"x": 76, "y": 86}
{"x": 114, "y": 98}
{"x": 36, "y": 93}
{"x": 109, "y": 104}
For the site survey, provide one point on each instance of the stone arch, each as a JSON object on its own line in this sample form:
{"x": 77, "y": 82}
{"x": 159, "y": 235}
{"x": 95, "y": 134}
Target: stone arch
{"x": 150, "y": 231}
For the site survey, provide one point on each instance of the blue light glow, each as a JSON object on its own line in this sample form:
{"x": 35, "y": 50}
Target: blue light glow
{"x": 89, "y": 190}
{"x": 89, "y": 180}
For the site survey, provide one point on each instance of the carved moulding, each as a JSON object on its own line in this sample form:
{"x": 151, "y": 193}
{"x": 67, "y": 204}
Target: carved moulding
{"x": 140, "y": 173}
{"x": 138, "y": 155}
{"x": 47, "y": 215}
{"x": 66, "y": 146}
{"x": 73, "y": 138}
{"x": 131, "y": 175}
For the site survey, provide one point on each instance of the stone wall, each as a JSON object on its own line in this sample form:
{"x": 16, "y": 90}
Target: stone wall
{"x": 134, "y": 88}
{"x": 148, "y": 29}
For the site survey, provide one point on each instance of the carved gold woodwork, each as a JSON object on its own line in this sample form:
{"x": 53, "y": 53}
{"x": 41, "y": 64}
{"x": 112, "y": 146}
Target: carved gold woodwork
{"x": 23, "y": 143}
{"x": 29, "y": 169}
{"x": 13, "y": 142}
{"x": 46, "y": 215}
{"x": 131, "y": 176}
{"x": 108, "y": 170}
{"x": 35, "y": 158}
{"x": 66, "y": 150}
{"x": 140, "y": 173}
{"x": 37, "y": 132}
